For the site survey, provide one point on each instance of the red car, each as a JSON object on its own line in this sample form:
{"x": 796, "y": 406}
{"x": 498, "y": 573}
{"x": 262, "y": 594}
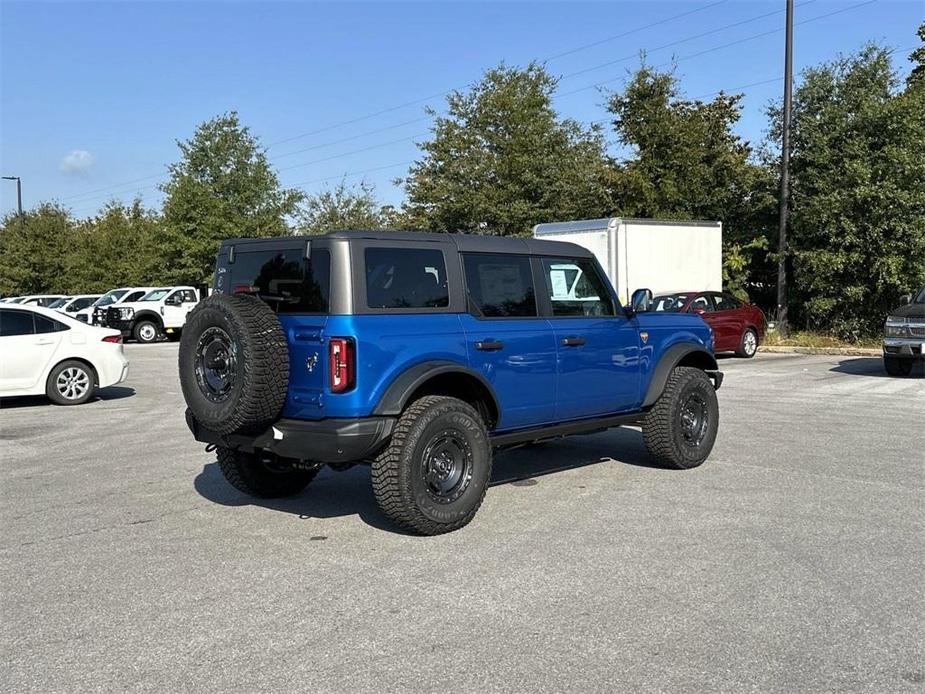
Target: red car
{"x": 737, "y": 327}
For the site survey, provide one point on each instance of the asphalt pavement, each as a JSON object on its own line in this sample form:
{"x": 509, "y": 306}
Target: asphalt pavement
{"x": 792, "y": 561}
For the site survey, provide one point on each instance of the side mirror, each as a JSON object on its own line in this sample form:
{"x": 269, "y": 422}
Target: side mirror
{"x": 641, "y": 300}
{"x": 905, "y": 299}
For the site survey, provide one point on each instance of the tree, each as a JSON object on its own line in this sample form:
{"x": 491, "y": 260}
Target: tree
{"x": 222, "y": 187}
{"x": 858, "y": 200}
{"x": 342, "y": 208}
{"x": 33, "y": 250}
{"x": 685, "y": 161}
{"x": 917, "y": 75}
{"x": 502, "y": 160}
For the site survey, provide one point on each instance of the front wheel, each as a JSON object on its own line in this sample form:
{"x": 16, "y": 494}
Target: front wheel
{"x": 748, "y": 344}
{"x": 432, "y": 476}
{"x": 263, "y": 475}
{"x": 680, "y": 429}
{"x": 896, "y": 366}
{"x": 146, "y": 331}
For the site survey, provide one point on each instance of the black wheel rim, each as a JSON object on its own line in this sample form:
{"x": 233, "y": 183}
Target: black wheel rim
{"x": 447, "y": 466}
{"x": 216, "y": 364}
{"x": 695, "y": 420}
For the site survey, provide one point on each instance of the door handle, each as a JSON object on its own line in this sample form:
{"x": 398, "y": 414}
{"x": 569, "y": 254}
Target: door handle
{"x": 573, "y": 341}
{"x": 44, "y": 341}
{"x": 489, "y": 345}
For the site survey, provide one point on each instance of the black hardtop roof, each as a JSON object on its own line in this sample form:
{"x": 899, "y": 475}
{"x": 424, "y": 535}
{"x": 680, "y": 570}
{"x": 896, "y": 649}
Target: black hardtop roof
{"x": 466, "y": 243}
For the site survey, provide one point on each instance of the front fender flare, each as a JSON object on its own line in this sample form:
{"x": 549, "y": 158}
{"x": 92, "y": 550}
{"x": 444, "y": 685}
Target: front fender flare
{"x": 670, "y": 358}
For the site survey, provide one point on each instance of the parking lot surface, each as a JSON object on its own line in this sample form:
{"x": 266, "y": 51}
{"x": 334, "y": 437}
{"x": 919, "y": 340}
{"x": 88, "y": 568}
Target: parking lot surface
{"x": 791, "y": 561}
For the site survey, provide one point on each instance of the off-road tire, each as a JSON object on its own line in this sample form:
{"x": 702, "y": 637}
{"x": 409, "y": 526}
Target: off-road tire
{"x": 146, "y": 336}
{"x": 258, "y": 392}
{"x": 748, "y": 344}
{"x": 87, "y": 381}
{"x": 398, "y": 472}
{"x": 662, "y": 429}
{"x": 249, "y": 473}
{"x": 897, "y": 366}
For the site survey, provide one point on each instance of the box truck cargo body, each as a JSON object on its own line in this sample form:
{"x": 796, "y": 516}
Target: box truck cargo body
{"x": 663, "y": 255}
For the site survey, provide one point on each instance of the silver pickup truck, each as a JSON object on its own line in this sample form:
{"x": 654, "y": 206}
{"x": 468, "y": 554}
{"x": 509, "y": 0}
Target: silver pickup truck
{"x": 904, "y": 335}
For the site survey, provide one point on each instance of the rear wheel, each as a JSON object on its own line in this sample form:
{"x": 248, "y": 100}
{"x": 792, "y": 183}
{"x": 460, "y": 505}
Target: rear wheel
{"x": 680, "y": 429}
{"x": 262, "y": 474}
{"x": 896, "y": 366}
{"x": 146, "y": 331}
{"x": 433, "y": 475}
{"x": 748, "y": 344}
{"x": 70, "y": 383}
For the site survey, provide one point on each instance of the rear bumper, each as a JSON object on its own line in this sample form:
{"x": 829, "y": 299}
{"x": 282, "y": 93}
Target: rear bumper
{"x": 324, "y": 441}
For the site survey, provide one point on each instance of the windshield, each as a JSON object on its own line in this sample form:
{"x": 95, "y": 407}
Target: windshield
{"x": 110, "y": 297}
{"x": 669, "y": 302}
{"x": 920, "y": 299}
{"x": 155, "y": 295}
{"x": 58, "y": 303}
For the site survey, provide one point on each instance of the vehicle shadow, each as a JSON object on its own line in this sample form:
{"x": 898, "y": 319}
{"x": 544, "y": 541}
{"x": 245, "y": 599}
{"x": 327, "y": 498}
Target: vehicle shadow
{"x": 336, "y": 494}
{"x": 872, "y": 366}
{"x": 102, "y": 395}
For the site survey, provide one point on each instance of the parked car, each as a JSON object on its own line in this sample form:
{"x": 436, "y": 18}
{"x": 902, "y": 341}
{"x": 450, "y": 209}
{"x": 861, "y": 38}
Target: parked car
{"x": 73, "y": 304}
{"x": 904, "y": 335}
{"x": 737, "y": 326}
{"x": 158, "y": 313}
{"x": 95, "y": 313}
{"x": 47, "y": 352}
{"x": 40, "y": 299}
{"x": 421, "y": 353}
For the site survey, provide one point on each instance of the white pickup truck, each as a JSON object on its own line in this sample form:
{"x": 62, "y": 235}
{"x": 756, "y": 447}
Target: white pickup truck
{"x": 160, "y": 312}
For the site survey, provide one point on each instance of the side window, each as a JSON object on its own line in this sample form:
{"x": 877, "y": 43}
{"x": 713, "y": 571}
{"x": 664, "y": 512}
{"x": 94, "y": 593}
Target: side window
{"x": 14, "y": 323}
{"x": 405, "y": 278}
{"x": 725, "y": 303}
{"x": 500, "y": 286}
{"x": 48, "y": 325}
{"x": 576, "y": 288}
{"x": 703, "y": 303}
{"x": 187, "y": 296}
{"x": 134, "y": 296}
{"x": 286, "y": 280}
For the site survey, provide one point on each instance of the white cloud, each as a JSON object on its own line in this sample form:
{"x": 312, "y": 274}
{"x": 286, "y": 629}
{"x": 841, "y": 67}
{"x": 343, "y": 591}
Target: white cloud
{"x": 76, "y": 163}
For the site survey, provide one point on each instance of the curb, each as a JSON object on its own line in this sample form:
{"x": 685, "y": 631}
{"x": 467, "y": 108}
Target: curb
{"x": 833, "y": 351}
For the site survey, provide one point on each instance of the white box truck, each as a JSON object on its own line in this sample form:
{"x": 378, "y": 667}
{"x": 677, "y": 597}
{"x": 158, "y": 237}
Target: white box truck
{"x": 663, "y": 255}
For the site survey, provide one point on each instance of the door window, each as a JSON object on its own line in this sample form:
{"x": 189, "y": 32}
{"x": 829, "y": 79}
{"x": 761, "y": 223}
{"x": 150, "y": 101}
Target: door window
{"x": 725, "y": 303}
{"x": 134, "y": 296}
{"x": 702, "y": 303}
{"x": 500, "y": 286}
{"x": 576, "y": 288}
{"x": 14, "y": 323}
{"x": 403, "y": 278}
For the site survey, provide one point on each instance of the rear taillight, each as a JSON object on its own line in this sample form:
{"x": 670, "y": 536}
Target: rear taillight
{"x": 113, "y": 338}
{"x": 341, "y": 363}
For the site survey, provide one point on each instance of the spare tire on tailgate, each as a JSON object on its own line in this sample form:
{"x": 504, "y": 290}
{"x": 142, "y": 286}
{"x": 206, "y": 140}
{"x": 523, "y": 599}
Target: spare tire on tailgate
{"x": 234, "y": 364}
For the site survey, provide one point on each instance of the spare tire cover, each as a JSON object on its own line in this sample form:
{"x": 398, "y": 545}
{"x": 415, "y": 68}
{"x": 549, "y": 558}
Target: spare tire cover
{"x": 234, "y": 364}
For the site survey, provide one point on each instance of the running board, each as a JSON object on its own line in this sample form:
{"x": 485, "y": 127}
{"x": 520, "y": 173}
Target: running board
{"x": 552, "y": 431}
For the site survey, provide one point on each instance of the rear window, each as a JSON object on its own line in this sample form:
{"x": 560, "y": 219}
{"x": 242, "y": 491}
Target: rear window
{"x": 406, "y": 278}
{"x": 500, "y": 286}
{"x": 286, "y": 280}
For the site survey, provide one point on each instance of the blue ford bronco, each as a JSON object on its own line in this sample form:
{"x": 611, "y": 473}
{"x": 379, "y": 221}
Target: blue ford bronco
{"x": 420, "y": 354}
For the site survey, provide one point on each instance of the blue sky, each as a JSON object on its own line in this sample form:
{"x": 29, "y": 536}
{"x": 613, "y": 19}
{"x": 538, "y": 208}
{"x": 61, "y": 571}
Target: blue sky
{"x": 94, "y": 95}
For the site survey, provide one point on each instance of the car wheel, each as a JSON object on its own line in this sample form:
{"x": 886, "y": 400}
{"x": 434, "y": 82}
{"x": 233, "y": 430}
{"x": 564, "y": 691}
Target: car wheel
{"x": 680, "y": 429}
{"x": 432, "y": 476}
{"x": 748, "y": 344}
{"x": 262, "y": 474}
{"x": 146, "y": 331}
{"x": 70, "y": 383}
{"x": 896, "y": 366}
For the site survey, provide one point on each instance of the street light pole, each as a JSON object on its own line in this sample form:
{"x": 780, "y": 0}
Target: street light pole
{"x": 18, "y": 191}
{"x": 784, "y": 207}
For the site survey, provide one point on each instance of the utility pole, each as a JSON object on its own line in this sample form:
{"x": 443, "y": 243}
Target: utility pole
{"x": 18, "y": 192}
{"x": 784, "y": 208}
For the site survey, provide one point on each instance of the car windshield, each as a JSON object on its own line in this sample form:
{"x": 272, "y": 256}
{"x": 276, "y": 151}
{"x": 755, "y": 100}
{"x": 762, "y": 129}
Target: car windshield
{"x": 669, "y": 302}
{"x": 110, "y": 297}
{"x": 58, "y": 303}
{"x": 155, "y": 295}
{"x": 920, "y": 299}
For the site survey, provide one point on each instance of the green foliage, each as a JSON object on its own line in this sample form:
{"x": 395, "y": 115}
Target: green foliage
{"x": 33, "y": 250}
{"x": 858, "y": 213}
{"x": 343, "y": 208}
{"x": 222, "y": 187}
{"x": 685, "y": 161}
{"x": 502, "y": 160}
{"x": 917, "y": 57}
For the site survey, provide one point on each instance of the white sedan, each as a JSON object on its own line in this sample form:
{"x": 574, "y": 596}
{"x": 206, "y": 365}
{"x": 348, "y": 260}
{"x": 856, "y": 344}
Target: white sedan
{"x": 45, "y": 352}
